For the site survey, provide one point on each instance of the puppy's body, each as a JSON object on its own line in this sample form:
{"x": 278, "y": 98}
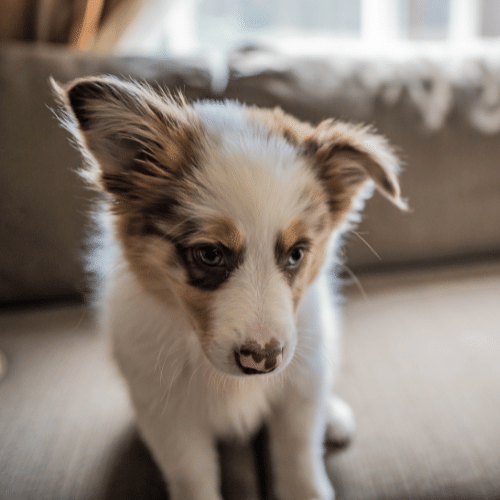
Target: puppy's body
{"x": 183, "y": 404}
{"x": 226, "y": 220}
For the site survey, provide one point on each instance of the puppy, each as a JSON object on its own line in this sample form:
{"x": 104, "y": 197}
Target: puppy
{"x": 225, "y": 222}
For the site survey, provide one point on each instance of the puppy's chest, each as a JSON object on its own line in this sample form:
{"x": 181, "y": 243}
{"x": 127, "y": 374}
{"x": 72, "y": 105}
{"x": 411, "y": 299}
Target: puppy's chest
{"x": 239, "y": 408}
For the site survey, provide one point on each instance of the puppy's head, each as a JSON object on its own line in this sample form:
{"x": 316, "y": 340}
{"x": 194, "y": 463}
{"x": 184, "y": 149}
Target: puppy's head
{"x": 225, "y": 213}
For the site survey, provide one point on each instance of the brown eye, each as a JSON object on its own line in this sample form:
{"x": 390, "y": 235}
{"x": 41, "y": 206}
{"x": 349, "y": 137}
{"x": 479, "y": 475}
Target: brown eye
{"x": 209, "y": 255}
{"x": 295, "y": 256}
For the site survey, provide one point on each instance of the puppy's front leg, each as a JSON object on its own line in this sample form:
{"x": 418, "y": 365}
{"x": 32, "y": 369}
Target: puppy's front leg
{"x": 296, "y": 431}
{"x": 187, "y": 457}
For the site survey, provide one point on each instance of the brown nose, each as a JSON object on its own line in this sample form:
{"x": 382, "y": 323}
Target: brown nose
{"x": 253, "y": 358}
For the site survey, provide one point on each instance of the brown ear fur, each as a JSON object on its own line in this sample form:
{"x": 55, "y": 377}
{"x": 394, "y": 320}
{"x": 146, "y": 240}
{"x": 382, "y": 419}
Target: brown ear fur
{"x": 345, "y": 156}
{"x": 131, "y": 135}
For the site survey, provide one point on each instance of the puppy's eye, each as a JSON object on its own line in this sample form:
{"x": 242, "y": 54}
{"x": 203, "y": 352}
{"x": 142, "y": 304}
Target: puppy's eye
{"x": 209, "y": 255}
{"x": 296, "y": 255}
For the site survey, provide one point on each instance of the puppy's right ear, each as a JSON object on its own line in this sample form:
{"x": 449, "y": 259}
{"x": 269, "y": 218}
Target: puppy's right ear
{"x": 128, "y": 132}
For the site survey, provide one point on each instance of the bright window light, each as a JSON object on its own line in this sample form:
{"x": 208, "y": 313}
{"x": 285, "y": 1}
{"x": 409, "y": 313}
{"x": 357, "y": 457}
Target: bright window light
{"x": 364, "y": 28}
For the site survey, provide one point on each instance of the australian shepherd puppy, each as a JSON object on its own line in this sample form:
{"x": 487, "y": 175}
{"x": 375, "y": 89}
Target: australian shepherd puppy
{"x": 226, "y": 220}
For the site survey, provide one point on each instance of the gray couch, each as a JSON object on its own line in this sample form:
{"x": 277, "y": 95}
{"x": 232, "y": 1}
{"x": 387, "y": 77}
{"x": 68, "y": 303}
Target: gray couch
{"x": 422, "y": 323}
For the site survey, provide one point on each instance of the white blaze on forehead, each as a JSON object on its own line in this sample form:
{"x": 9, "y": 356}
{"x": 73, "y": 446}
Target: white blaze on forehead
{"x": 257, "y": 181}
{"x": 253, "y": 178}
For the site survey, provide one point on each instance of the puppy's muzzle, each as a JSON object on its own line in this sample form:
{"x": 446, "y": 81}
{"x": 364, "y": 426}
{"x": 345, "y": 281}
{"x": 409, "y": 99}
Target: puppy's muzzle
{"x": 252, "y": 358}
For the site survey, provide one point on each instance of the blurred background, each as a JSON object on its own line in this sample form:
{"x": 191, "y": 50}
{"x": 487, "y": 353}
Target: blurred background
{"x": 422, "y": 306}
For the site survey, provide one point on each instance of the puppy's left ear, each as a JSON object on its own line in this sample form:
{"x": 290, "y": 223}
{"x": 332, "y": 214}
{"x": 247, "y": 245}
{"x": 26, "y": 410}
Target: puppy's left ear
{"x": 346, "y": 157}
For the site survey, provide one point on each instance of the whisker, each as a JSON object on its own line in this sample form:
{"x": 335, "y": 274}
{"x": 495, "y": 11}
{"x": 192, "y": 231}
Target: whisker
{"x": 174, "y": 376}
{"x": 163, "y": 345}
{"x": 193, "y": 374}
{"x": 211, "y": 379}
{"x": 367, "y": 244}
{"x": 170, "y": 351}
{"x": 358, "y": 283}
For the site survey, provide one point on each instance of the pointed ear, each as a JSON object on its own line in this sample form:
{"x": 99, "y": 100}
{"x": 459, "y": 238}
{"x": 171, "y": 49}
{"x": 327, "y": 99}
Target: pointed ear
{"x": 346, "y": 157}
{"x": 128, "y": 132}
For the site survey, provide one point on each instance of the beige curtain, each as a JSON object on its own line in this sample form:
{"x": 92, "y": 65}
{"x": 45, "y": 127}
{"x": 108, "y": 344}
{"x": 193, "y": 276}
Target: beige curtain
{"x": 96, "y": 25}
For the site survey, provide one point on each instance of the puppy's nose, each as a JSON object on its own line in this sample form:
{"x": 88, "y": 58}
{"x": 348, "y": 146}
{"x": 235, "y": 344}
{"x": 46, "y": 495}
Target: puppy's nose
{"x": 253, "y": 358}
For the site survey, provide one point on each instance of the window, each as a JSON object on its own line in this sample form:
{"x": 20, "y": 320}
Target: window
{"x": 388, "y": 28}
{"x": 489, "y": 19}
{"x": 424, "y": 19}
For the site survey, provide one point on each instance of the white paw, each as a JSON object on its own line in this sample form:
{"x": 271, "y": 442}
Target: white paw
{"x": 300, "y": 486}
{"x": 341, "y": 423}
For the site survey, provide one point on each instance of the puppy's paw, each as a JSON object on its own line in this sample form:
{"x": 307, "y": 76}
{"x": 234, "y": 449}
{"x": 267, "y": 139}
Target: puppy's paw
{"x": 302, "y": 486}
{"x": 341, "y": 423}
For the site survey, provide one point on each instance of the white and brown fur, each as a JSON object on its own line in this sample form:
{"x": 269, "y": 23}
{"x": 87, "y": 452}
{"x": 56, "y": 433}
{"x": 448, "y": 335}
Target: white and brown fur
{"x": 226, "y": 220}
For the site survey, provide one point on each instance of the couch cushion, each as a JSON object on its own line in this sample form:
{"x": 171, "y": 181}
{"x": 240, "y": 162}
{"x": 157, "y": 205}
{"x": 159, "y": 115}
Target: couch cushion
{"x": 420, "y": 369}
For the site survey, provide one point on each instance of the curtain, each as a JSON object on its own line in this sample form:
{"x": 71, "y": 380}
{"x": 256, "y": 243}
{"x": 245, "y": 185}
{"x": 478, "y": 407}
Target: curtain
{"x": 95, "y": 25}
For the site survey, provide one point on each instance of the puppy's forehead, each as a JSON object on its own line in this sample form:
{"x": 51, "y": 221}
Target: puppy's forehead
{"x": 247, "y": 174}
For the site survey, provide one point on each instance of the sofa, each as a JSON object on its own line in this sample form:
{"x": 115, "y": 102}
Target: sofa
{"x": 421, "y": 313}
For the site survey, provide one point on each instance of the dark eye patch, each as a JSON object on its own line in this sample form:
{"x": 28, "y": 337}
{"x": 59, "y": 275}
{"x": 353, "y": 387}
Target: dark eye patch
{"x": 204, "y": 275}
